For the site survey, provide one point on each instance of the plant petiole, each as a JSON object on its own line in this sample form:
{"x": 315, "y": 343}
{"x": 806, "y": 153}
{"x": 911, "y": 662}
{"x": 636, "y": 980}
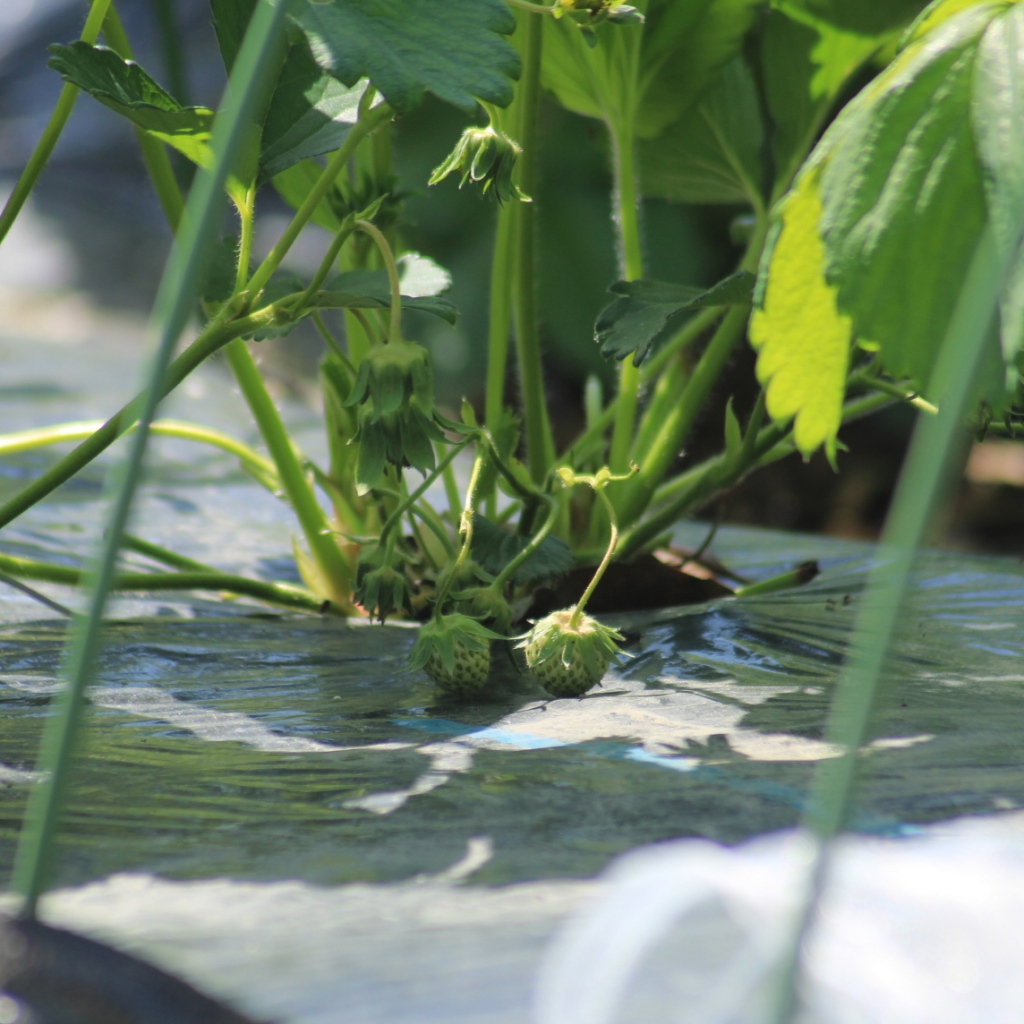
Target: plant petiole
{"x": 395, "y": 331}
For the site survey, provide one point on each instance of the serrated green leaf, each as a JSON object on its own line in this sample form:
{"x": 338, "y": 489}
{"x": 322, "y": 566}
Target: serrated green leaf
{"x": 641, "y": 79}
{"x": 453, "y": 49}
{"x": 998, "y": 120}
{"x": 493, "y": 548}
{"x": 680, "y": 60}
{"x": 127, "y": 89}
{"x": 805, "y": 64}
{"x": 802, "y": 339}
{"x": 903, "y": 202}
{"x": 713, "y": 153}
{"x": 310, "y": 113}
{"x": 650, "y": 312}
{"x": 865, "y": 17}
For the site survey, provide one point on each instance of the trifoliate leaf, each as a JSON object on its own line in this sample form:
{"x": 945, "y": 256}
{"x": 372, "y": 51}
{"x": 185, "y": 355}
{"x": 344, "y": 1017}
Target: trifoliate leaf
{"x": 127, "y": 89}
{"x": 650, "y": 312}
{"x": 493, "y": 548}
{"x": 803, "y": 341}
{"x": 453, "y": 49}
{"x": 713, "y": 153}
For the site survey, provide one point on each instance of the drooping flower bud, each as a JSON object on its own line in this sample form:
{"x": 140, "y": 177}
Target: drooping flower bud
{"x": 486, "y": 157}
{"x": 382, "y": 587}
{"x": 397, "y": 418}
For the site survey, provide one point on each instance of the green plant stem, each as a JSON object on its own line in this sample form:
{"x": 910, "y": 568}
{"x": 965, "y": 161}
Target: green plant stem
{"x": 466, "y": 529}
{"x": 954, "y": 384}
{"x": 170, "y": 40}
{"x": 366, "y": 124}
{"x": 340, "y": 238}
{"x": 216, "y": 336}
{"x": 154, "y": 153}
{"x": 163, "y": 555}
{"x": 35, "y": 595}
{"x": 637, "y": 493}
{"x": 700, "y": 483}
{"x": 252, "y": 462}
{"x": 274, "y": 593}
{"x": 500, "y": 316}
{"x": 784, "y": 581}
{"x": 535, "y": 542}
{"x": 59, "y": 118}
{"x": 246, "y": 218}
{"x": 628, "y": 223}
{"x": 410, "y": 500}
{"x": 334, "y": 569}
{"x": 613, "y": 541}
{"x": 395, "y": 330}
{"x": 175, "y": 299}
{"x": 901, "y": 393}
{"x": 649, "y": 371}
{"x": 540, "y": 445}
{"x": 451, "y": 485}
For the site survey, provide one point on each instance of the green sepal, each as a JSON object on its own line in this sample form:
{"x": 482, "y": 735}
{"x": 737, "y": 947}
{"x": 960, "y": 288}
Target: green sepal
{"x": 441, "y": 634}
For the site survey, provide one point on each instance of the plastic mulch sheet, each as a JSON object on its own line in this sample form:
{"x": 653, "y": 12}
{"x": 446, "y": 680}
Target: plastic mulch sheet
{"x": 272, "y": 807}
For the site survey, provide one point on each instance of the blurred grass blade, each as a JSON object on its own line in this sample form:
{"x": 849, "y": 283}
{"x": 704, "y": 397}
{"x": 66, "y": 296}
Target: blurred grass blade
{"x": 955, "y": 382}
{"x": 173, "y": 306}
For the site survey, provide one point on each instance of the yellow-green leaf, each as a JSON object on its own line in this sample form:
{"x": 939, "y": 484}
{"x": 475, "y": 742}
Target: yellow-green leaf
{"x": 803, "y": 341}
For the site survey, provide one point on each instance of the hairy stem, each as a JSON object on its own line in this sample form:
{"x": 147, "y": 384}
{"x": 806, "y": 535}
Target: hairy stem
{"x": 540, "y": 445}
{"x": 366, "y": 124}
{"x": 500, "y": 315}
{"x": 613, "y": 540}
{"x": 395, "y": 330}
{"x": 627, "y": 221}
{"x": 334, "y": 569}
{"x": 699, "y": 484}
{"x": 535, "y": 542}
{"x": 59, "y": 118}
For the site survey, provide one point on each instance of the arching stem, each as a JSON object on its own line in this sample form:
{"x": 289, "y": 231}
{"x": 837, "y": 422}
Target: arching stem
{"x": 395, "y": 333}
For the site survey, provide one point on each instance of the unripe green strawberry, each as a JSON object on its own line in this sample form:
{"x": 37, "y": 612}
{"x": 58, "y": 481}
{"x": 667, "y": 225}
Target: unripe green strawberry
{"x": 568, "y": 657}
{"x": 455, "y": 650}
{"x": 468, "y": 674}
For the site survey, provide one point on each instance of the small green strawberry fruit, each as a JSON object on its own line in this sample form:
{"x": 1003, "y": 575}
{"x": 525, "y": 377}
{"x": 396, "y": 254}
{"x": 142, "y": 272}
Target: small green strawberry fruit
{"x": 455, "y": 650}
{"x": 569, "y": 657}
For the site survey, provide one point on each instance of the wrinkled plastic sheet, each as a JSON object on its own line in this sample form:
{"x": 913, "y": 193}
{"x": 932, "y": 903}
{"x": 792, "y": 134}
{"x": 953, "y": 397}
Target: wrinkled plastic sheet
{"x": 271, "y": 806}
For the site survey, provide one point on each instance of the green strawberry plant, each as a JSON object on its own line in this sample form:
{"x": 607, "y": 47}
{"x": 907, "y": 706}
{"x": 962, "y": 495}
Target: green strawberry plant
{"x": 868, "y": 151}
